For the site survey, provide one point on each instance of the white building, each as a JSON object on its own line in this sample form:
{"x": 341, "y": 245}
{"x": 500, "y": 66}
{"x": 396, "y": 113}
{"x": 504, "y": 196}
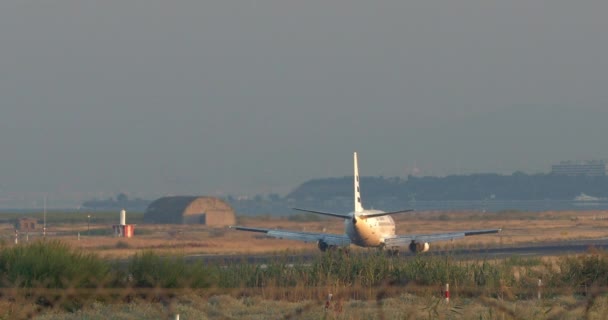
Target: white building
{"x": 580, "y": 168}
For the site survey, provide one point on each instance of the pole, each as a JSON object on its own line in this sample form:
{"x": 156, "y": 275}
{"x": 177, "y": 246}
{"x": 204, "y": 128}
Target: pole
{"x": 44, "y": 219}
{"x": 328, "y": 301}
{"x": 88, "y": 224}
{"x": 447, "y": 293}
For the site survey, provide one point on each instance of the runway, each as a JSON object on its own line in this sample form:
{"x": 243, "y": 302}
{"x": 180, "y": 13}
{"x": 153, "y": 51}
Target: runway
{"x": 538, "y": 250}
{"x": 535, "y": 250}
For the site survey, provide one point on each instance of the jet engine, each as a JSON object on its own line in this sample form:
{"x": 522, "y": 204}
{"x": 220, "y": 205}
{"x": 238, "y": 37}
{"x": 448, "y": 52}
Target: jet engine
{"x": 417, "y": 247}
{"x": 323, "y": 246}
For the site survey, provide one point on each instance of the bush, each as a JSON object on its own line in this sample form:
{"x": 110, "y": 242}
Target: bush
{"x": 50, "y": 264}
{"x": 587, "y": 270}
{"x": 151, "y": 270}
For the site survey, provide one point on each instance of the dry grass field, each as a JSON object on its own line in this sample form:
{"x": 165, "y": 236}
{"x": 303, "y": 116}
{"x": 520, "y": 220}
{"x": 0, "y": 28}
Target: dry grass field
{"x": 404, "y": 306}
{"x": 519, "y": 228}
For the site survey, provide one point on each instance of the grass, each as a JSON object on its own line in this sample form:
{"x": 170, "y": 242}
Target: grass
{"x": 50, "y": 264}
{"x": 403, "y": 306}
{"x": 56, "y": 265}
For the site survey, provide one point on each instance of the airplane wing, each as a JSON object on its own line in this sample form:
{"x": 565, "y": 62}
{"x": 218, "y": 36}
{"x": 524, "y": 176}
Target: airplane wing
{"x": 404, "y": 240}
{"x": 330, "y": 239}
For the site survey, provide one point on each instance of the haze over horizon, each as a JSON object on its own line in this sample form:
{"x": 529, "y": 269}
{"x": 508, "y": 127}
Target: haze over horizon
{"x": 255, "y": 97}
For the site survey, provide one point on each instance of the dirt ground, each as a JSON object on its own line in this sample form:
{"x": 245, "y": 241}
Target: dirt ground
{"x": 519, "y": 228}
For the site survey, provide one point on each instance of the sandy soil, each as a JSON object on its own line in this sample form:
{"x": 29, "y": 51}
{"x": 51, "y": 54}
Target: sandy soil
{"x": 518, "y": 229}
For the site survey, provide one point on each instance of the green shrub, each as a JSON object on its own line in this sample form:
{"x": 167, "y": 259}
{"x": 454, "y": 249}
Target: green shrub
{"x": 50, "y": 264}
{"x": 148, "y": 269}
{"x": 591, "y": 269}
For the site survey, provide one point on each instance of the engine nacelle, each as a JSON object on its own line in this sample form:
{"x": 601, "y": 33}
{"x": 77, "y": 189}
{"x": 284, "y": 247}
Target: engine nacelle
{"x": 323, "y": 246}
{"x": 417, "y": 247}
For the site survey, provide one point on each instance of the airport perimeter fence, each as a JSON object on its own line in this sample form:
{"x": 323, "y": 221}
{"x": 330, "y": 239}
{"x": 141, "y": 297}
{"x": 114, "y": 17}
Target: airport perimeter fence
{"x": 50, "y": 280}
{"x": 344, "y": 303}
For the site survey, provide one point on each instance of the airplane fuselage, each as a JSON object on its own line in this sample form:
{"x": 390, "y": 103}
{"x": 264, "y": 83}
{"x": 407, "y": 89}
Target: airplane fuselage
{"x": 369, "y": 231}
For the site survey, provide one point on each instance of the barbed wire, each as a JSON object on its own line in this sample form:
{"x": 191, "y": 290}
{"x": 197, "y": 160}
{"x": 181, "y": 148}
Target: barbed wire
{"x": 27, "y": 303}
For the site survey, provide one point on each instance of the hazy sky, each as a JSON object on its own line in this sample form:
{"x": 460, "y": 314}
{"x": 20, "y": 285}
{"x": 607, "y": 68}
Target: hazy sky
{"x": 243, "y": 97}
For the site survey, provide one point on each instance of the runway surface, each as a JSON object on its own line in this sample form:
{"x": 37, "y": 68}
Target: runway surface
{"x": 535, "y": 250}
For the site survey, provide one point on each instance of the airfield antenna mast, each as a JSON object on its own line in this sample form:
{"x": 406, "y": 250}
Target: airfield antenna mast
{"x": 44, "y": 219}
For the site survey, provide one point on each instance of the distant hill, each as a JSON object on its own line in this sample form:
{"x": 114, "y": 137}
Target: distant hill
{"x": 489, "y": 190}
{"x": 388, "y": 193}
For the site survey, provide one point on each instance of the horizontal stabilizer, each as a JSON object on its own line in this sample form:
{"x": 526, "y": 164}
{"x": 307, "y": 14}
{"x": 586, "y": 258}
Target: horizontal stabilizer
{"x": 380, "y": 214}
{"x": 339, "y": 215}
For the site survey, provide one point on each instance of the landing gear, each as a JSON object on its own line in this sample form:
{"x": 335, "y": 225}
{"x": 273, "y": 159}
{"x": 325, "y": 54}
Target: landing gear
{"x": 344, "y": 251}
{"x": 392, "y": 252}
{"x": 323, "y": 246}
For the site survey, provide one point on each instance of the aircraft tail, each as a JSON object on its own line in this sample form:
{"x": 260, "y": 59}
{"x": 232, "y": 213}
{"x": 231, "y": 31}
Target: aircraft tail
{"x": 358, "y": 205}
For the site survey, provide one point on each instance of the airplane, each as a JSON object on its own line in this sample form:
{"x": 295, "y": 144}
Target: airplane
{"x": 366, "y": 228}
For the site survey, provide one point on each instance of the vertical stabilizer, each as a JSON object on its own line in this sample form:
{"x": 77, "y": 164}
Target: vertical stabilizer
{"x": 358, "y": 205}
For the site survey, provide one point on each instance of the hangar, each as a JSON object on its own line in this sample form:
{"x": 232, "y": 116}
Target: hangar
{"x": 210, "y": 211}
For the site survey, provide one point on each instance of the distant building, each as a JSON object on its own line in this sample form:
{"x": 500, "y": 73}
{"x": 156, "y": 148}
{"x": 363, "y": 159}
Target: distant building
{"x": 580, "y": 168}
{"x": 27, "y": 224}
{"x": 209, "y": 211}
